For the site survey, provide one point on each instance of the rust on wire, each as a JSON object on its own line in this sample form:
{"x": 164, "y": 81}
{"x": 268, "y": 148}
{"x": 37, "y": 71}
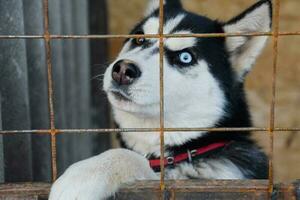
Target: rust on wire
{"x": 53, "y": 155}
{"x": 161, "y": 84}
{"x": 273, "y": 98}
{"x": 50, "y": 89}
{"x": 145, "y": 130}
{"x": 123, "y": 36}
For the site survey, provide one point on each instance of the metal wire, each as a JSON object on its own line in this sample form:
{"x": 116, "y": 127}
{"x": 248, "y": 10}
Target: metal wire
{"x": 273, "y": 100}
{"x": 145, "y": 130}
{"x": 122, "y": 36}
{"x": 161, "y": 84}
{"x": 50, "y": 89}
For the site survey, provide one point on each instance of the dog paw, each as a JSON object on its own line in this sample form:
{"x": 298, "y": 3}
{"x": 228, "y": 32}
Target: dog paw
{"x": 100, "y": 177}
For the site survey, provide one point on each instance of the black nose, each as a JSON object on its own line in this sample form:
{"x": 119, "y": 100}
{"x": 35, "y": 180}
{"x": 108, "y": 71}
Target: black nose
{"x": 124, "y": 72}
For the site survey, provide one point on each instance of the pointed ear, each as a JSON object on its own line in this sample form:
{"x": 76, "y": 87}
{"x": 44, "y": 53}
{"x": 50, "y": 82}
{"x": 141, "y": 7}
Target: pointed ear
{"x": 154, "y": 4}
{"x": 244, "y": 50}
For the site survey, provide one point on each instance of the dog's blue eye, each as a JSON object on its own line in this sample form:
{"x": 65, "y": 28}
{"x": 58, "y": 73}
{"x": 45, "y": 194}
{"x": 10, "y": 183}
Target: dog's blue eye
{"x": 185, "y": 57}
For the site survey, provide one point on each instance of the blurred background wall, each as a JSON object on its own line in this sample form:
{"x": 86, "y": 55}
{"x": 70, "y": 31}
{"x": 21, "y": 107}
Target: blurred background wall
{"x": 124, "y": 14}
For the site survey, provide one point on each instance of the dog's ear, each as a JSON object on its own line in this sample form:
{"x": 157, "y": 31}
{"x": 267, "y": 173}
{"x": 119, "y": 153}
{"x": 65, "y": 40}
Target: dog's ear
{"x": 244, "y": 50}
{"x": 154, "y": 5}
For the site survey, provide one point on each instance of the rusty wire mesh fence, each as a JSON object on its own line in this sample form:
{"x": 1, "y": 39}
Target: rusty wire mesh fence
{"x": 200, "y": 186}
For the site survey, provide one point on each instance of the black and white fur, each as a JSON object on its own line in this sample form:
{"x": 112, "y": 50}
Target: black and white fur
{"x": 206, "y": 92}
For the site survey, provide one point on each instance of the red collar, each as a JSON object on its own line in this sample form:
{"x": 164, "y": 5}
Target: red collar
{"x": 188, "y": 156}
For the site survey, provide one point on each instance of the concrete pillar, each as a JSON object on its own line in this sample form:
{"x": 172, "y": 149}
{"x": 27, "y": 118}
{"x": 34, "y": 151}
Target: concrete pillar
{"x": 82, "y": 71}
{"x": 1, "y": 149}
{"x": 98, "y": 55}
{"x": 14, "y": 91}
{"x": 69, "y": 79}
{"x": 82, "y": 62}
{"x": 38, "y": 93}
{"x": 57, "y": 59}
{"x": 69, "y": 63}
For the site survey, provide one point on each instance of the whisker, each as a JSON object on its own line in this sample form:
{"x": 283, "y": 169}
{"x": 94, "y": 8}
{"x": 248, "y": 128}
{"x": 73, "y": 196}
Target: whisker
{"x": 105, "y": 64}
{"x": 97, "y": 77}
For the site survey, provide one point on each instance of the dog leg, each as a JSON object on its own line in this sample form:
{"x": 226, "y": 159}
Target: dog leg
{"x": 100, "y": 177}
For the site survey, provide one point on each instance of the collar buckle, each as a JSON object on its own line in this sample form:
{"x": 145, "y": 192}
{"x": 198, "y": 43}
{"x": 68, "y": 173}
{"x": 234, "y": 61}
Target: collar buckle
{"x": 170, "y": 160}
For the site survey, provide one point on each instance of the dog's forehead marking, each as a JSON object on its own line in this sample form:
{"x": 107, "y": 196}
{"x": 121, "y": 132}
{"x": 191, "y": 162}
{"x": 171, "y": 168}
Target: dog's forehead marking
{"x": 177, "y": 44}
{"x": 151, "y": 26}
{"x": 172, "y": 23}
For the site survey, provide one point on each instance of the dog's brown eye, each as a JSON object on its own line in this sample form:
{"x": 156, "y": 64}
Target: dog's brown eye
{"x": 139, "y": 41}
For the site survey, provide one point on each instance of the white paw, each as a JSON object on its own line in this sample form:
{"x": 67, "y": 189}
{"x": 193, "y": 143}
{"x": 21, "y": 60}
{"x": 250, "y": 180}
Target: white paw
{"x": 100, "y": 177}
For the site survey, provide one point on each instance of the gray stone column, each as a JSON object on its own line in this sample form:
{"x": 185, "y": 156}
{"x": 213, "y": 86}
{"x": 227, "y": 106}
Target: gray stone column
{"x": 99, "y": 56}
{"x": 14, "y": 91}
{"x": 69, "y": 80}
{"x": 57, "y": 63}
{"x": 1, "y": 149}
{"x": 38, "y": 93}
{"x": 82, "y": 62}
{"x": 83, "y": 90}
{"x": 69, "y": 64}
{"x": 57, "y": 59}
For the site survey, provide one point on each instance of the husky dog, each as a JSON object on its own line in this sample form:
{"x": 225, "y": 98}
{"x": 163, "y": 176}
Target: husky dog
{"x": 203, "y": 87}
